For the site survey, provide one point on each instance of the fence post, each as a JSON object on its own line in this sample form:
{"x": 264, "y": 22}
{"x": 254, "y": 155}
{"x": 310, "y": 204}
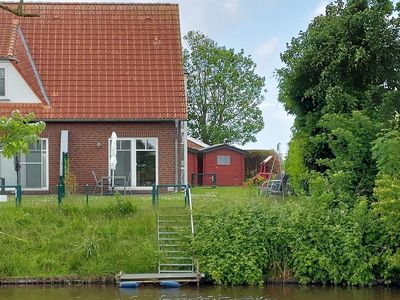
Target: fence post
{"x": 2, "y": 185}
{"x": 214, "y": 181}
{"x": 59, "y": 193}
{"x": 187, "y": 187}
{"x": 18, "y": 196}
{"x": 87, "y": 194}
{"x": 193, "y": 177}
{"x": 153, "y": 195}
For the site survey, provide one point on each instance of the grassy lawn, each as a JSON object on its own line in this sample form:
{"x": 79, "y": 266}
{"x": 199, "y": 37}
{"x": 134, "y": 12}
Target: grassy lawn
{"x": 102, "y": 238}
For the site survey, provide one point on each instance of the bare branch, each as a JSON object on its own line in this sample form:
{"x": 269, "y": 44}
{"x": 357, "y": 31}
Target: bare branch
{"x": 19, "y": 11}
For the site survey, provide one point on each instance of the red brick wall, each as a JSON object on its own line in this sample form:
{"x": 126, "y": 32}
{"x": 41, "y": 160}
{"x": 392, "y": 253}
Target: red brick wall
{"x": 85, "y": 155}
{"x": 232, "y": 175}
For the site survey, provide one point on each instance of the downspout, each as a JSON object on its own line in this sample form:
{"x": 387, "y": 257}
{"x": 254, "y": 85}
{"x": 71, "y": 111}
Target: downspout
{"x": 176, "y": 152}
{"x": 184, "y": 134}
{"x": 185, "y": 153}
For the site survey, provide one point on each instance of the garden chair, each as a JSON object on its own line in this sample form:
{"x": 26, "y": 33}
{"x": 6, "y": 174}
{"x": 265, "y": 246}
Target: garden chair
{"x": 99, "y": 182}
{"x": 120, "y": 183}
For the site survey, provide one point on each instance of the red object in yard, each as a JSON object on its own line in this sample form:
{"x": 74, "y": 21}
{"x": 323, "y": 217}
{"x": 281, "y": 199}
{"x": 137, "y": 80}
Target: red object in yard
{"x": 268, "y": 167}
{"x": 223, "y": 161}
{"x": 192, "y": 163}
{"x": 227, "y": 162}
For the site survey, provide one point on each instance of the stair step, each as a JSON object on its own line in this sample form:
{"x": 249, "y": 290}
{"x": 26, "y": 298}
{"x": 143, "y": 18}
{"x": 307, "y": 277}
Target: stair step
{"x": 167, "y": 233}
{"x": 172, "y": 221}
{"x": 175, "y": 271}
{"x": 174, "y": 226}
{"x": 176, "y": 258}
{"x": 176, "y": 265}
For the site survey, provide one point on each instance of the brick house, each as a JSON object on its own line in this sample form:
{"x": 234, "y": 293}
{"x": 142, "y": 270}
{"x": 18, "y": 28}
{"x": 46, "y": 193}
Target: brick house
{"x": 88, "y": 70}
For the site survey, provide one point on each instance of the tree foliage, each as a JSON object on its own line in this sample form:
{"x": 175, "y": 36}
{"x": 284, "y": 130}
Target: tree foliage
{"x": 224, "y": 92}
{"x": 17, "y": 132}
{"x": 341, "y": 81}
{"x": 385, "y": 150}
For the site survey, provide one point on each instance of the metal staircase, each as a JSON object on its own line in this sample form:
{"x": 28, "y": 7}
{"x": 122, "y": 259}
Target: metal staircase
{"x": 174, "y": 223}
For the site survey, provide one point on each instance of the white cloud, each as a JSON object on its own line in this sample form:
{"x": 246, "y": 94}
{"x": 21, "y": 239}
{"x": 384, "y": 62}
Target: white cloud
{"x": 320, "y": 9}
{"x": 265, "y": 53}
{"x": 268, "y": 48}
{"x": 277, "y": 129}
{"x": 211, "y": 17}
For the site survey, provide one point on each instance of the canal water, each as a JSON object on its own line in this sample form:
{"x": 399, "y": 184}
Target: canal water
{"x": 270, "y": 292}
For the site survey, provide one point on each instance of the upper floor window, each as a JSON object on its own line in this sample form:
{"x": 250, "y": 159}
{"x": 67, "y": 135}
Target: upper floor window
{"x": 2, "y": 82}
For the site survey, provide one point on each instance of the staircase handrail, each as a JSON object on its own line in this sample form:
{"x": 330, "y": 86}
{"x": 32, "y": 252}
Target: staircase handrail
{"x": 189, "y": 199}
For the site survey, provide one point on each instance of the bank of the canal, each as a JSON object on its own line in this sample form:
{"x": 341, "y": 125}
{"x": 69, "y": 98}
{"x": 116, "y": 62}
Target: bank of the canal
{"x": 241, "y": 238}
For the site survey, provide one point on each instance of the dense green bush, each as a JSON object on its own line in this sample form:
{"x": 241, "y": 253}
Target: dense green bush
{"x": 230, "y": 244}
{"x": 305, "y": 238}
{"x": 387, "y": 205}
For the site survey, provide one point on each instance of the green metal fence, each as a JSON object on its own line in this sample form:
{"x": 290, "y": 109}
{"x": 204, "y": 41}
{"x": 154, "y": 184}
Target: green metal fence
{"x": 156, "y": 191}
{"x": 202, "y": 175}
{"x": 18, "y": 193}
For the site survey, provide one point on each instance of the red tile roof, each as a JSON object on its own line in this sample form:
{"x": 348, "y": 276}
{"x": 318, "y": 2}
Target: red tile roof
{"x": 99, "y": 61}
{"x": 195, "y": 144}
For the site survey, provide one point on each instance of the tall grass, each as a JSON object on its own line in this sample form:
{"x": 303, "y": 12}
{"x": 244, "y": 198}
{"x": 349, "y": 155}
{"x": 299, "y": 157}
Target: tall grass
{"x": 103, "y": 238}
{"x": 109, "y": 235}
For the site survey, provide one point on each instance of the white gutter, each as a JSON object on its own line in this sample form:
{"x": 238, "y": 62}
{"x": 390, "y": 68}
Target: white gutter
{"x": 176, "y": 152}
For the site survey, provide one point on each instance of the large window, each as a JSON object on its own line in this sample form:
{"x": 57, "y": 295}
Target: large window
{"x": 2, "y": 82}
{"x": 145, "y": 162}
{"x": 124, "y": 158}
{"x": 137, "y": 161}
{"x": 34, "y": 167}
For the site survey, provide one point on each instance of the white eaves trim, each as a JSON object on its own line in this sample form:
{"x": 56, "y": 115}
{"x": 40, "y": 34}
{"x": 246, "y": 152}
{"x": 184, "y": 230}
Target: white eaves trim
{"x": 198, "y": 142}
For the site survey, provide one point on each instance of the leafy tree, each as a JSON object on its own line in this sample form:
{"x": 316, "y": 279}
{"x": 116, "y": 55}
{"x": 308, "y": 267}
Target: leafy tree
{"x": 346, "y": 61}
{"x": 294, "y": 164}
{"x": 387, "y": 194}
{"x": 224, "y": 92}
{"x": 18, "y": 132}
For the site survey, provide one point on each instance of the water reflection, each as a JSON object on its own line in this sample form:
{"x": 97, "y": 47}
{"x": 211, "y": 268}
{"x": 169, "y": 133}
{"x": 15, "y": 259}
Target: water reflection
{"x": 271, "y": 292}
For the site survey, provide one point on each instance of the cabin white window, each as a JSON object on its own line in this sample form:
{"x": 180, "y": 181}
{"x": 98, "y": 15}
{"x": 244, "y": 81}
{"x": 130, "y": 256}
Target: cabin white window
{"x": 2, "y": 82}
{"x": 33, "y": 167}
{"x": 137, "y": 160}
{"x": 223, "y": 160}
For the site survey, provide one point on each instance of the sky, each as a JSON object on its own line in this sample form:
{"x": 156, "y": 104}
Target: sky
{"x": 262, "y": 28}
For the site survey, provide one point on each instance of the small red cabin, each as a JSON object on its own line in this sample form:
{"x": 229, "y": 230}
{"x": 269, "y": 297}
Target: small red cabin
{"x": 225, "y": 161}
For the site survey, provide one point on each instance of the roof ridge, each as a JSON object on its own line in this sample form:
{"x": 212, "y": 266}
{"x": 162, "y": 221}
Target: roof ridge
{"x": 97, "y": 3}
{"x": 13, "y": 39}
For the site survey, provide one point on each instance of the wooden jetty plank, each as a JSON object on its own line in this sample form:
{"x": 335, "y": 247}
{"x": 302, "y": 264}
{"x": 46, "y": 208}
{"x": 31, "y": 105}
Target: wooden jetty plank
{"x": 156, "y": 277}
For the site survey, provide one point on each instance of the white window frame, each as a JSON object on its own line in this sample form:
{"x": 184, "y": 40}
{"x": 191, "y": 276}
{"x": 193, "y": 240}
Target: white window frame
{"x": 5, "y": 83}
{"x": 133, "y": 151}
{"x": 45, "y": 188}
{"x": 223, "y": 160}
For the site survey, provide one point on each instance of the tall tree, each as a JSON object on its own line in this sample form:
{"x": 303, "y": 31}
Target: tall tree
{"x": 17, "y": 132}
{"x": 224, "y": 92}
{"x": 347, "y": 60}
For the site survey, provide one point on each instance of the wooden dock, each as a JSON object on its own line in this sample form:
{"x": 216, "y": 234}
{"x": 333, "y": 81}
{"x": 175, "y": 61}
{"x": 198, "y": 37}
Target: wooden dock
{"x": 157, "y": 277}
